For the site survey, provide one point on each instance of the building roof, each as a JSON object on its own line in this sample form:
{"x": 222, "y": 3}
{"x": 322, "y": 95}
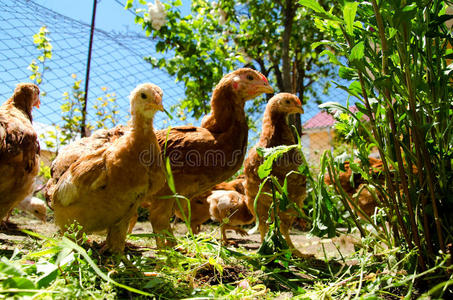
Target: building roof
{"x": 320, "y": 120}
{"x": 323, "y": 119}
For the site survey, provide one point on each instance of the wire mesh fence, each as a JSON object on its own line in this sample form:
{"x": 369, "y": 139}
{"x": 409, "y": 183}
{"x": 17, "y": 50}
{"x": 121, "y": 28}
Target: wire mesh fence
{"x": 117, "y": 66}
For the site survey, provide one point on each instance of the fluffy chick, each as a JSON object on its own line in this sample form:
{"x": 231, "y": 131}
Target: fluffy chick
{"x": 276, "y": 132}
{"x": 19, "y": 147}
{"x": 102, "y": 189}
{"x": 356, "y": 187}
{"x": 35, "y": 206}
{"x": 230, "y": 209}
{"x": 199, "y": 205}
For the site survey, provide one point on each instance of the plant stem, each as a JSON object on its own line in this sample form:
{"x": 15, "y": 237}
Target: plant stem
{"x": 339, "y": 189}
{"x": 397, "y": 146}
{"x": 420, "y": 145}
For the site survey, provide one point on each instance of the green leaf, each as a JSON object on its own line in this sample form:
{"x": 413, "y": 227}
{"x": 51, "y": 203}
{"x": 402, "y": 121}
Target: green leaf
{"x": 312, "y": 4}
{"x": 323, "y": 42}
{"x": 9, "y": 268}
{"x": 333, "y": 58}
{"x": 355, "y": 89}
{"x": 383, "y": 82}
{"x": 270, "y": 155}
{"x": 357, "y": 52}
{"x": 349, "y": 12}
{"x": 154, "y": 283}
{"x": 347, "y": 73}
{"x": 170, "y": 180}
{"x": 362, "y": 108}
{"x": 45, "y": 280}
{"x": 19, "y": 283}
{"x": 129, "y": 4}
{"x": 284, "y": 200}
{"x": 73, "y": 246}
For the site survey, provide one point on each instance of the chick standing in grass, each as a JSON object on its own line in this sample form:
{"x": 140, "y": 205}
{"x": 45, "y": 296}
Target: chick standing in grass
{"x": 230, "y": 209}
{"x": 357, "y": 188}
{"x": 103, "y": 188}
{"x": 200, "y": 207}
{"x": 19, "y": 147}
{"x": 276, "y": 132}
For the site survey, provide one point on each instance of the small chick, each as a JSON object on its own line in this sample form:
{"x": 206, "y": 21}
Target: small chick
{"x": 199, "y": 205}
{"x": 357, "y": 187}
{"x": 103, "y": 188}
{"x": 19, "y": 147}
{"x": 276, "y": 132}
{"x": 230, "y": 209}
{"x": 35, "y": 206}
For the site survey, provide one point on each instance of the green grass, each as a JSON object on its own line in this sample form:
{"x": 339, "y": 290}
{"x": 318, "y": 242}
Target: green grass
{"x": 57, "y": 267}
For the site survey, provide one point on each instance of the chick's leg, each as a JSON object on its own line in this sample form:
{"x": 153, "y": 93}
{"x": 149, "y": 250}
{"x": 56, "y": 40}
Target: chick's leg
{"x": 286, "y": 222}
{"x": 263, "y": 214}
{"x": 263, "y": 228}
{"x": 239, "y": 230}
{"x": 160, "y": 212}
{"x": 132, "y": 222}
{"x": 195, "y": 228}
{"x": 223, "y": 232}
{"x": 116, "y": 236}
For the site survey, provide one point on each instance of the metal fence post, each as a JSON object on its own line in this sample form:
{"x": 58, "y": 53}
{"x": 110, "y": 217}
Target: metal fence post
{"x": 83, "y": 127}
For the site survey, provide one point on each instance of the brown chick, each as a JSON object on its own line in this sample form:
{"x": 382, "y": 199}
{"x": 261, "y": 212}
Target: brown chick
{"x": 69, "y": 154}
{"x": 34, "y": 206}
{"x": 356, "y": 187}
{"x": 199, "y": 205}
{"x": 276, "y": 132}
{"x": 19, "y": 147}
{"x": 102, "y": 189}
{"x": 202, "y": 157}
{"x": 230, "y": 209}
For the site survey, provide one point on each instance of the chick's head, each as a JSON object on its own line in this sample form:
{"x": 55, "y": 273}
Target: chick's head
{"x": 247, "y": 83}
{"x": 38, "y": 208}
{"x": 146, "y": 99}
{"x": 286, "y": 103}
{"x": 26, "y": 96}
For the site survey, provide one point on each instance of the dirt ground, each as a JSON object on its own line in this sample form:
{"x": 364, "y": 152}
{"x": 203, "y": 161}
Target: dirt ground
{"x": 12, "y": 237}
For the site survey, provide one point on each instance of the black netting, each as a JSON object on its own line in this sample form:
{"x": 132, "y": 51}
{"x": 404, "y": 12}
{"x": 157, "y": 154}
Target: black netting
{"x": 117, "y": 64}
{"x": 117, "y": 61}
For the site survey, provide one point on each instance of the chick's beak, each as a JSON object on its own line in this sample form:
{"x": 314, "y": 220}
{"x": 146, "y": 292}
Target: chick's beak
{"x": 160, "y": 106}
{"x": 266, "y": 88}
{"x": 37, "y": 103}
{"x": 298, "y": 110}
{"x": 158, "y": 99}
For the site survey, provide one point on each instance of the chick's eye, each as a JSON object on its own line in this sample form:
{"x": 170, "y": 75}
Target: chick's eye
{"x": 287, "y": 101}
{"x": 143, "y": 95}
{"x": 36, "y": 211}
{"x": 250, "y": 77}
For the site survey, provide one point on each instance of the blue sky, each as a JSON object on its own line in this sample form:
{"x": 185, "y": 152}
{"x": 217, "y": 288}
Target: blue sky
{"x": 20, "y": 20}
{"x": 110, "y": 14}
